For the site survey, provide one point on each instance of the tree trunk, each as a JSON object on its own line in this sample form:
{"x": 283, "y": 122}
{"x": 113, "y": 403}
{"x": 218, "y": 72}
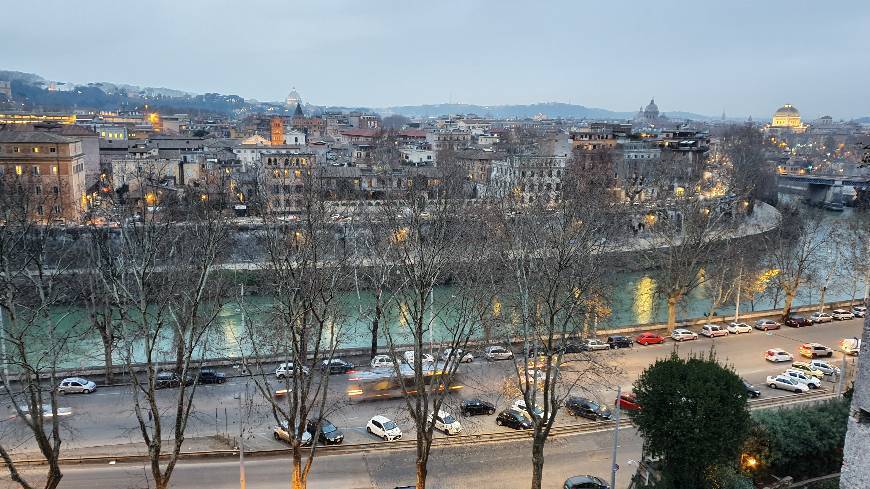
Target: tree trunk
{"x": 672, "y": 311}
{"x": 107, "y": 356}
{"x": 376, "y": 322}
{"x": 537, "y": 461}
{"x": 421, "y": 473}
{"x": 298, "y": 481}
{"x": 786, "y": 308}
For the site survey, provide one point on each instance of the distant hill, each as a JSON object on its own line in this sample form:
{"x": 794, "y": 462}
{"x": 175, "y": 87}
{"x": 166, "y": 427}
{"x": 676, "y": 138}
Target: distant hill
{"x": 863, "y": 120}
{"x": 32, "y": 89}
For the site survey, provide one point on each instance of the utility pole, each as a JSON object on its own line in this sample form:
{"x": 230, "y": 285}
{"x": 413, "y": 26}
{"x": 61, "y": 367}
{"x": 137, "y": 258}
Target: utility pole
{"x": 737, "y": 302}
{"x": 242, "y": 483}
{"x": 613, "y": 466}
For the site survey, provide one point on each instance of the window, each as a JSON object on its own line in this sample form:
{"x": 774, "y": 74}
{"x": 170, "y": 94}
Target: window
{"x": 34, "y": 170}
{"x": 55, "y": 190}
{"x": 40, "y": 210}
{"x": 19, "y": 169}
{"x": 57, "y": 209}
{"x": 52, "y": 150}
{"x": 16, "y": 149}
{"x": 38, "y": 190}
{"x": 36, "y": 149}
{"x": 54, "y": 169}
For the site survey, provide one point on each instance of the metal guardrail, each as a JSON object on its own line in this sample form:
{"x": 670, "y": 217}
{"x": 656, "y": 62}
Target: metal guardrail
{"x": 408, "y": 444}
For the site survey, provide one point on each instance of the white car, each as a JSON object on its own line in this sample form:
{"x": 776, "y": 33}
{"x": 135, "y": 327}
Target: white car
{"x": 384, "y": 427}
{"x": 382, "y": 361}
{"x": 851, "y": 346}
{"x": 859, "y": 311}
{"x": 786, "y": 383}
{"x": 497, "y": 353}
{"x": 463, "y": 356}
{"x": 520, "y": 405}
{"x": 778, "y": 355}
{"x": 281, "y": 433}
{"x": 824, "y": 367}
{"x": 842, "y": 314}
{"x": 75, "y": 385}
{"x": 683, "y": 335}
{"x": 446, "y": 422}
{"x": 803, "y": 378}
{"x": 593, "y": 344}
{"x": 46, "y": 410}
{"x": 287, "y": 369}
{"x": 409, "y": 357}
{"x": 821, "y": 317}
{"x": 737, "y": 328}
{"x": 713, "y": 330}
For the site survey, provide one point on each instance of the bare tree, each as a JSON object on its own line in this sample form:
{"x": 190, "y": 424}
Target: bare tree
{"x": 429, "y": 242}
{"x": 305, "y": 269}
{"x": 165, "y": 286}
{"x": 794, "y": 248}
{"x": 33, "y": 265}
{"x": 552, "y": 258}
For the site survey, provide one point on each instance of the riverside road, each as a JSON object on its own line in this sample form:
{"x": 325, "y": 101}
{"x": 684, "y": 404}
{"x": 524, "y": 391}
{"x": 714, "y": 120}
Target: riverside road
{"x": 105, "y": 418}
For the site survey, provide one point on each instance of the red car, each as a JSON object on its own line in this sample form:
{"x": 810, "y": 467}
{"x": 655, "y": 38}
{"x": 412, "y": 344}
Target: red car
{"x": 628, "y": 402}
{"x": 649, "y": 339}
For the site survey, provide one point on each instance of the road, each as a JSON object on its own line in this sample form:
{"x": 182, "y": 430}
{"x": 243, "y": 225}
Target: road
{"x": 105, "y": 417}
{"x": 502, "y": 466}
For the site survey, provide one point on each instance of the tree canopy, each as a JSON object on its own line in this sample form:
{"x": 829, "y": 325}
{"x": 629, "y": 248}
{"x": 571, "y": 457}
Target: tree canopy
{"x": 694, "y": 416}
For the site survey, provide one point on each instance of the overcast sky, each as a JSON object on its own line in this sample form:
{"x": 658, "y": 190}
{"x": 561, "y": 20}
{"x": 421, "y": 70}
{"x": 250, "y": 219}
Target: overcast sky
{"x": 743, "y": 56}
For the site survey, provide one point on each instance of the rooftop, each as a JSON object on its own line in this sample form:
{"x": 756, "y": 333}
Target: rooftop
{"x": 8, "y": 136}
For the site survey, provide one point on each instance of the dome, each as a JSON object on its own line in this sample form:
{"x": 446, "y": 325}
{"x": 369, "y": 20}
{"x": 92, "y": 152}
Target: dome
{"x": 652, "y": 107}
{"x": 787, "y": 110}
{"x": 293, "y": 98}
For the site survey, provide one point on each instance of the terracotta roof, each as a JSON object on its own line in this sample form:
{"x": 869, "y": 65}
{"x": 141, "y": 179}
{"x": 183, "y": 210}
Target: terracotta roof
{"x": 33, "y": 137}
{"x": 366, "y": 133}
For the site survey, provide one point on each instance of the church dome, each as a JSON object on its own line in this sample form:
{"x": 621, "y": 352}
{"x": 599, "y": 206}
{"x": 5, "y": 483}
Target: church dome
{"x": 787, "y": 110}
{"x": 293, "y": 99}
{"x": 652, "y": 107}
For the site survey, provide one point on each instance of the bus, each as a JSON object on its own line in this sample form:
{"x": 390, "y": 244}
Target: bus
{"x": 385, "y": 384}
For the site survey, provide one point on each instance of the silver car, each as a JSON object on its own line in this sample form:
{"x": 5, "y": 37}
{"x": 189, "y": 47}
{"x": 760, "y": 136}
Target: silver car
{"x": 824, "y": 367}
{"x": 76, "y": 385}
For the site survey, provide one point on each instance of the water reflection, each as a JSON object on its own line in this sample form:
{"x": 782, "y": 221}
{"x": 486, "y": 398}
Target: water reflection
{"x": 644, "y": 295}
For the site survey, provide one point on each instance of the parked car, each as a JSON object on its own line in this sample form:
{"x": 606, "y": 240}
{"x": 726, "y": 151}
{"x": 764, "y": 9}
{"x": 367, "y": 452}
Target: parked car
{"x": 594, "y": 344}
{"x": 445, "y": 422}
{"x": 850, "y": 346}
{"x": 647, "y": 339}
{"x": 463, "y": 356}
{"x": 281, "y": 433}
{"x": 778, "y": 355}
{"x": 859, "y": 311}
{"x": 46, "y": 410}
{"x": 713, "y": 330}
{"x": 574, "y": 347}
{"x": 821, "y": 317}
{"x": 766, "y": 324}
{"x": 209, "y": 376}
{"x": 384, "y": 427}
{"x": 738, "y": 328}
{"x": 807, "y": 369}
{"x": 797, "y": 321}
{"x": 585, "y": 482}
{"x": 751, "y": 390}
{"x": 329, "y": 434}
{"x": 842, "y": 314}
{"x": 627, "y": 401}
{"x": 786, "y": 383}
{"x": 520, "y": 405}
{"x": 76, "y": 385}
{"x": 475, "y": 407}
{"x": 824, "y": 367}
{"x": 497, "y": 353}
{"x": 814, "y": 350}
{"x": 288, "y": 369}
{"x": 336, "y": 366}
{"x": 681, "y": 334}
{"x": 619, "y": 342}
{"x": 382, "y": 361}
{"x": 812, "y": 382}
{"x": 409, "y": 357}
{"x": 513, "y": 419}
{"x": 165, "y": 380}
{"x": 580, "y": 406}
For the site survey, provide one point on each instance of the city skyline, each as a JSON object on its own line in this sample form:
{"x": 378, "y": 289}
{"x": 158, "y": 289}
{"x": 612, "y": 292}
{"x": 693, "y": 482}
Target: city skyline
{"x": 702, "y": 59}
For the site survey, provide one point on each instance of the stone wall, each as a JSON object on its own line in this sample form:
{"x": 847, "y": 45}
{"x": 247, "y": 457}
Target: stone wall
{"x": 856, "y": 454}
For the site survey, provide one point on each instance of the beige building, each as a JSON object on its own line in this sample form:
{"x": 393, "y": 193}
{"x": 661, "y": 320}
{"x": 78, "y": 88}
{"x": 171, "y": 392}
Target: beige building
{"x": 50, "y": 168}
